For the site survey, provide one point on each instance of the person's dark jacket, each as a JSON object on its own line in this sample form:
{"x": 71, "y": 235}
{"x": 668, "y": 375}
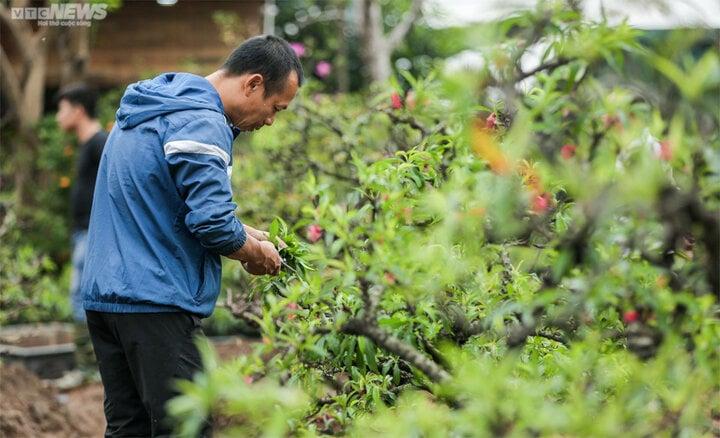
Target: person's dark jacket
{"x": 83, "y": 188}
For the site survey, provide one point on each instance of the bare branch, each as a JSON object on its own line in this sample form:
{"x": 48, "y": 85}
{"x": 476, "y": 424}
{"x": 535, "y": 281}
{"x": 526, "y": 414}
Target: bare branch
{"x": 399, "y": 32}
{"x": 317, "y": 167}
{"x": 506, "y": 278}
{"x": 680, "y": 211}
{"x": 545, "y": 66}
{"x": 325, "y": 121}
{"x": 371, "y": 297}
{"x": 244, "y": 310}
{"x": 408, "y": 120}
{"x": 367, "y": 326}
{"x": 552, "y": 337}
{"x": 386, "y": 341}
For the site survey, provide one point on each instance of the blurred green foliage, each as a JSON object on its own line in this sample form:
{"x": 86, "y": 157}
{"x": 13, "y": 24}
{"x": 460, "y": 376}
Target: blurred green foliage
{"x": 527, "y": 249}
{"x": 524, "y": 250}
{"x": 36, "y": 240}
{"x": 30, "y": 289}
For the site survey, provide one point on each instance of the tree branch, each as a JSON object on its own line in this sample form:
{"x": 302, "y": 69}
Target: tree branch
{"x": 408, "y": 120}
{"x": 367, "y": 326}
{"x": 545, "y": 66}
{"x": 327, "y": 122}
{"x": 388, "y": 342}
{"x": 10, "y": 84}
{"x": 244, "y": 310}
{"x": 436, "y": 355}
{"x": 679, "y": 211}
{"x": 17, "y": 33}
{"x": 318, "y": 168}
{"x": 399, "y": 32}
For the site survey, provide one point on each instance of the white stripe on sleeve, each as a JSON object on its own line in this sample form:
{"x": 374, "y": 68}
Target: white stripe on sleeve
{"x": 194, "y": 147}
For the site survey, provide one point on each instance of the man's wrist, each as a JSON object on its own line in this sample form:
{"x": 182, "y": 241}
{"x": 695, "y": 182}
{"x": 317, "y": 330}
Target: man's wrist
{"x": 246, "y": 252}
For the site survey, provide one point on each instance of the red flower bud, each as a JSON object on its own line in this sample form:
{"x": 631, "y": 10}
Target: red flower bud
{"x": 396, "y": 101}
{"x": 665, "y": 151}
{"x": 314, "y": 233}
{"x": 541, "y": 203}
{"x": 630, "y": 316}
{"x": 568, "y": 151}
{"x": 390, "y": 278}
{"x": 491, "y": 121}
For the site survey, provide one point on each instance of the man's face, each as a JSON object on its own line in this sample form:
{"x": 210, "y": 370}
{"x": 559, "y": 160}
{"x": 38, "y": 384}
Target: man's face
{"x": 68, "y": 115}
{"x": 251, "y": 109}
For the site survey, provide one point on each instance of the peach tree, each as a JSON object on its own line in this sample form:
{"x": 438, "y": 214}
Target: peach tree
{"x": 530, "y": 249}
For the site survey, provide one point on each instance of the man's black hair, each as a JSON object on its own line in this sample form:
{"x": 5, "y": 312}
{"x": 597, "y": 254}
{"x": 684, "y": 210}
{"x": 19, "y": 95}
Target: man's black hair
{"x": 267, "y": 55}
{"x": 80, "y": 94}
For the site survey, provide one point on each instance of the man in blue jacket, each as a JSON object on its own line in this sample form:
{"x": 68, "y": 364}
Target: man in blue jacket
{"x": 163, "y": 216}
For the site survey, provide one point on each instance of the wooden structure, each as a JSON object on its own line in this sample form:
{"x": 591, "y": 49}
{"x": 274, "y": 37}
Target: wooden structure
{"x": 143, "y": 38}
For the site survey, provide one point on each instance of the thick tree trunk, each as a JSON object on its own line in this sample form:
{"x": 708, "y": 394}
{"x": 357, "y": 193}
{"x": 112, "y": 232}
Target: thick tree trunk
{"x": 34, "y": 85}
{"x": 343, "y": 69}
{"x": 377, "y": 46}
{"x": 26, "y": 150}
{"x": 73, "y": 45}
{"x": 24, "y": 94}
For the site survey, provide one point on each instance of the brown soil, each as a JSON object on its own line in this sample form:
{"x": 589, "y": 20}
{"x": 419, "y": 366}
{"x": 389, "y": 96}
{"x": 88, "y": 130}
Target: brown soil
{"x": 30, "y": 407}
{"x": 233, "y": 347}
{"x": 85, "y": 407}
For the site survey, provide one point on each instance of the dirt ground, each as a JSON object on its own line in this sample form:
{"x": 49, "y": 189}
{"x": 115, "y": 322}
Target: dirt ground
{"x": 31, "y": 407}
{"x": 85, "y": 407}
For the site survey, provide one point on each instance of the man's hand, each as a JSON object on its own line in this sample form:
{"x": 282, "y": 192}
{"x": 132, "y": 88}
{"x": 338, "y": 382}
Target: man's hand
{"x": 262, "y": 236}
{"x": 258, "y": 257}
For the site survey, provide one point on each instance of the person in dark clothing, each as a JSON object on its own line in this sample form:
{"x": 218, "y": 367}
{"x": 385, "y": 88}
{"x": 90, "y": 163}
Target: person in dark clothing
{"x": 76, "y": 114}
{"x": 163, "y": 216}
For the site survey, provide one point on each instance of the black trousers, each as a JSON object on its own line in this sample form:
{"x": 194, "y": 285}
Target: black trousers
{"x": 140, "y": 355}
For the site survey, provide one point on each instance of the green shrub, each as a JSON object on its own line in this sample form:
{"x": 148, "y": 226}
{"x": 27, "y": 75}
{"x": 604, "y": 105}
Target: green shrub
{"x": 516, "y": 252}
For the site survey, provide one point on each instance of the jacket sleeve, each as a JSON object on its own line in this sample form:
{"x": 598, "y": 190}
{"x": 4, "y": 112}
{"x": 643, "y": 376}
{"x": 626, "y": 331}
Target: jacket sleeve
{"x": 199, "y": 155}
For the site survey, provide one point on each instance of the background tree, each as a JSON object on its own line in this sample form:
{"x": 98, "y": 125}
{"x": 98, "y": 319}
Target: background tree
{"x": 338, "y": 35}
{"x": 378, "y": 45}
{"x": 23, "y": 94}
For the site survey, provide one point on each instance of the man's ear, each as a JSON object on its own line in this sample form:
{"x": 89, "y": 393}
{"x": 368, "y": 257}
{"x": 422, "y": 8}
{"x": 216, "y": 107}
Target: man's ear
{"x": 77, "y": 111}
{"x": 254, "y": 83}
{"x": 82, "y": 112}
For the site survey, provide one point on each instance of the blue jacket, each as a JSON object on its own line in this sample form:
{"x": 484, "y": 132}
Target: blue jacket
{"x": 162, "y": 211}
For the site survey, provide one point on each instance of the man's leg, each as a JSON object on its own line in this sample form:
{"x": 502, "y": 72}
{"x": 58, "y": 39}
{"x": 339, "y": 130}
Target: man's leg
{"x": 79, "y": 242}
{"x": 160, "y": 349}
{"x": 84, "y": 355}
{"x": 124, "y": 411}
